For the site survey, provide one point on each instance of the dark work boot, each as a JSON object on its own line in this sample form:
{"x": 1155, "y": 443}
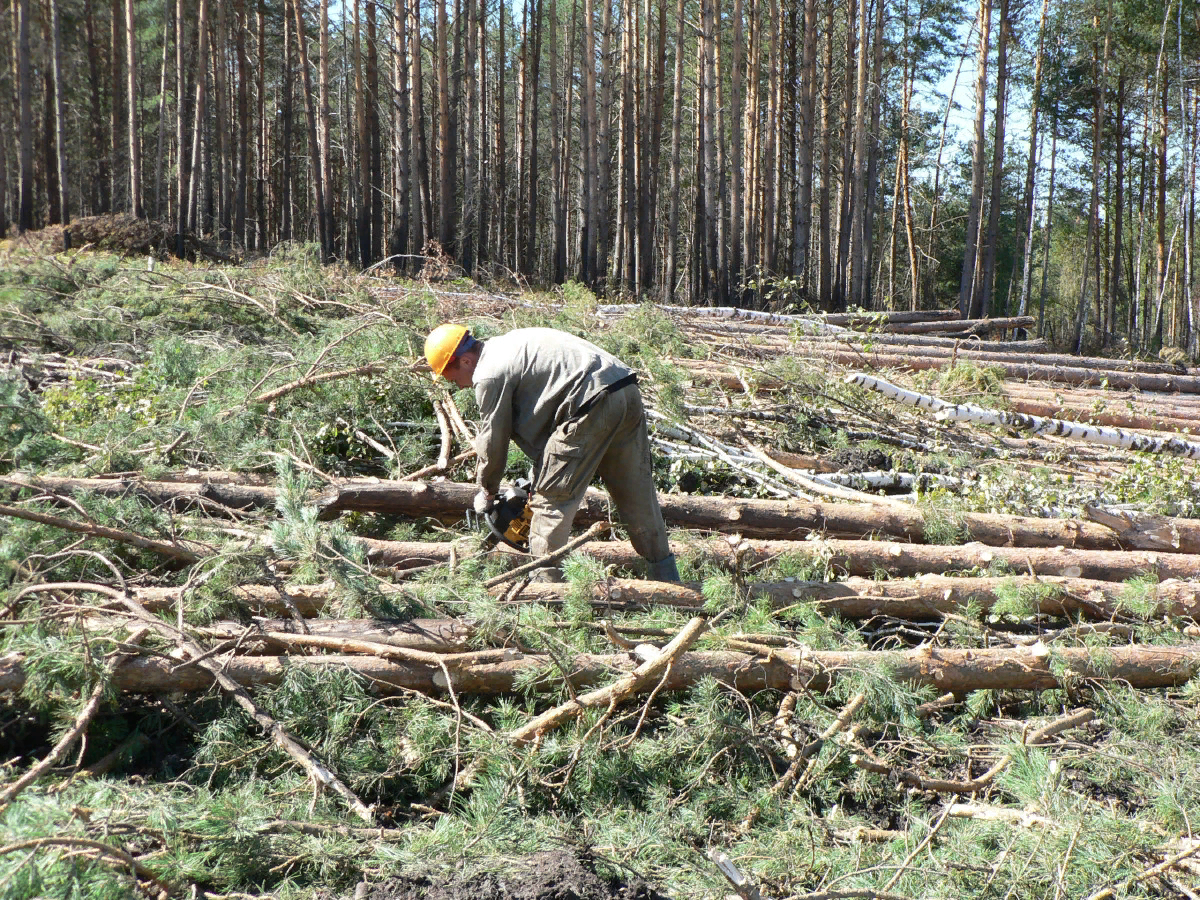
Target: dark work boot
{"x": 665, "y": 569}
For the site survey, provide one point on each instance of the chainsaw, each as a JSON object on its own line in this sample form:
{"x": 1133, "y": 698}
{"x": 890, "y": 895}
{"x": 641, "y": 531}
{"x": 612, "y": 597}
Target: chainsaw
{"x": 508, "y": 517}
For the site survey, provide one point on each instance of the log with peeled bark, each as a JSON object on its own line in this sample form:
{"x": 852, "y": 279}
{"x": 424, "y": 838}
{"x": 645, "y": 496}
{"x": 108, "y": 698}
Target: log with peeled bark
{"x": 763, "y": 518}
{"x": 961, "y": 326}
{"x": 915, "y": 343}
{"x": 960, "y": 671}
{"x": 1188, "y": 384}
{"x": 965, "y": 350}
{"x": 865, "y": 558}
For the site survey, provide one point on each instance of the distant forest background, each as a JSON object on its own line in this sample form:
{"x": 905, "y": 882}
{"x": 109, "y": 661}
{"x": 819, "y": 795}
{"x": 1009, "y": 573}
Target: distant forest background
{"x": 747, "y": 152}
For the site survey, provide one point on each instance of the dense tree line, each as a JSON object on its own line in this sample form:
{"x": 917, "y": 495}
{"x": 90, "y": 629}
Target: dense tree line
{"x": 746, "y": 152}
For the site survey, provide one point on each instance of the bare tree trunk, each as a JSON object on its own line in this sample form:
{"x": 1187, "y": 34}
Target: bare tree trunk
{"x": 1031, "y": 166}
{"x": 966, "y": 289}
{"x": 285, "y": 189}
{"x": 136, "y": 206}
{"x": 182, "y": 156}
{"x": 471, "y": 170}
{"x": 1092, "y": 243}
{"x": 195, "y": 172}
{"x": 981, "y": 301}
{"x": 1115, "y": 293}
{"x": 858, "y": 216}
{"x": 25, "y": 119}
{"x": 589, "y": 262}
{"x": 118, "y": 145}
{"x": 423, "y": 198}
{"x": 401, "y": 138}
{"x": 362, "y": 223}
{"x": 60, "y": 125}
{"x": 558, "y": 241}
{"x": 824, "y": 235}
{"x": 102, "y": 184}
{"x": 223, "y": 125}
{"x": 1049, "y": 218}
{"x": 673, "y": 200}
{"x": 161, "y": 129}
{"x": 848, "y": 186}
{"x": 314, "y": 147}
{"x": 244, "y": 141}
{"x": 711, "y": 276}
{"x": 806, "y": 127}
{"x": 325, "y": 207}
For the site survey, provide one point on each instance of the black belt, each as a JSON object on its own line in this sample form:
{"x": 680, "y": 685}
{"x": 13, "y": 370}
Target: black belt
{"x": 607, "y": 389}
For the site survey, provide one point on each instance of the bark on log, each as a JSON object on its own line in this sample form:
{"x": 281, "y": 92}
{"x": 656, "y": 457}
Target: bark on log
{"x": 169, "y": 494}
{"x": 915, "y": 343}
{"x": 866, "y": 558}
{"x": 963, "y": 326}
{"x": 767, "y": 518}
{"x": 1187, "y": 384}
{"x": 990, "y": 354}
{"x": 959, "y": 671}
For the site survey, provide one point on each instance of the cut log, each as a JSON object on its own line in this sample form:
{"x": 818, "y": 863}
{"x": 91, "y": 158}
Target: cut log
{"x": 904, "y": 343}
{"x": 1188, "y": 384}
{"x": 960, "y": 671}
{"x": 961, "y": 326}
{"x": 169, "y": 494}
{"x": 865, "y": 558}
{"x": 854, "y": 598}
{"x": 765, "y": 518}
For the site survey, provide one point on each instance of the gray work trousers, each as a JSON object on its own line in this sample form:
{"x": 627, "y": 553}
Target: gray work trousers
{"x": 611, "y": 441}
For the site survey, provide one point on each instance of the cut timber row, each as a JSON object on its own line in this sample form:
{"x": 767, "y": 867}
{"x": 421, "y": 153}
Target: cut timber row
{"x": 502, "y": 672}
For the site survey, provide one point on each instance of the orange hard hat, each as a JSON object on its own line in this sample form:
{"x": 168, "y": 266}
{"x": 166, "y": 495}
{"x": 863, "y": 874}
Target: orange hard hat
{"x": 442, "y": 344}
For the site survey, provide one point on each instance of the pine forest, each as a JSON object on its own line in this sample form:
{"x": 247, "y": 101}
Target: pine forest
{"x": 1005, "y": 157}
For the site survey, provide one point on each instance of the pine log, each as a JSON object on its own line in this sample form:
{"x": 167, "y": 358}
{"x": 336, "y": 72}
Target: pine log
{"x": 964, "y": 350}
{"x": 906, "y": 342}
{"x": 854, "y": 597}
{"x": 765, "y": 518}
{"x": 963, "y": 326}
{"x": 865, "y": 558}
{"x": 960, "y": 671}
{"x": 169, "y": 494}
{"x": 1188, "y": 384}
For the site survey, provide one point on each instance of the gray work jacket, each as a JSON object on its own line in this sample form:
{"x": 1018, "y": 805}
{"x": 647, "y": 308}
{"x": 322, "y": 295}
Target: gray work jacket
{"x": 527, "y": 383}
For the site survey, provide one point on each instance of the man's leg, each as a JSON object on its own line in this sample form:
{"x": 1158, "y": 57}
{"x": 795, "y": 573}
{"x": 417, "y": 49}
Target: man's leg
{"x": 627, "y": 470}
{"x": 568, "y": 466}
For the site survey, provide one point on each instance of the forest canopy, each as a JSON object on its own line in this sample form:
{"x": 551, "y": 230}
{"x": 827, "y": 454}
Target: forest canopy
{"x": 1005, "y": 157}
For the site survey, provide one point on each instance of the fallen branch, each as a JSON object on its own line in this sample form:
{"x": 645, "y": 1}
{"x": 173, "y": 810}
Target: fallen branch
{"x": 185, "y": 551}
{"x": 549, "y": 559}
{"x": 67, "y": 741}
{"x": 915, "y": 779}
{"x": 316, "y": 770}
{"x": 309, "y": 380}
{"x": 140, "y": 873}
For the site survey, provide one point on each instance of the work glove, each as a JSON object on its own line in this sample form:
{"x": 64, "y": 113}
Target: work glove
{"x": 482, "y": 501}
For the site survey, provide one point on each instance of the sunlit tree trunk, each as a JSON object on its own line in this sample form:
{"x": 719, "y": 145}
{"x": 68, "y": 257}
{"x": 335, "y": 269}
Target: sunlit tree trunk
{"x": 101, "y": 183}
{"x": 978, "y": 157}
{"x": 285, "y": 186}
{"x": 316, "y": 171}
{"x": 824, "y": 228}
{"x": 1031, "y": 165}
{"x": 673, "y": 199}
{"x": 60, "y": 124}
{"x": 136, "y": 206}
{"x": 981, "y": 302}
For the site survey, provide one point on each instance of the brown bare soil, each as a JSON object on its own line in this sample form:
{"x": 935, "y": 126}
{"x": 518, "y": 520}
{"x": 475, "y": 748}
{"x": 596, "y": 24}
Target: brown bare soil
{"x": 549, "y": 875}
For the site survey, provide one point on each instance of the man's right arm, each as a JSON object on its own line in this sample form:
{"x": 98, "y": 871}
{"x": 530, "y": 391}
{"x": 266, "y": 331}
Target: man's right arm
{"x": 494, "y": 397}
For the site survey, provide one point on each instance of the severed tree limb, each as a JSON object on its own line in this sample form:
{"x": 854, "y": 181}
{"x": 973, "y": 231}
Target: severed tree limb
{"x": 614, "y": 693}
{"x": 140, "y": 873}
{"x": 316, "y": 770}
{"x": 185, "y": 551}
{"x": 437, "y": 467}
{"x": 988, "y": 813}
{"x": 974, "y": 785}
{"x": 443, "y": 420}
{"x": 67, "y": 741}
{"x": 320, "y": 378}
{"x": 806, "y": 758}
{"x": 549, "y": 559}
